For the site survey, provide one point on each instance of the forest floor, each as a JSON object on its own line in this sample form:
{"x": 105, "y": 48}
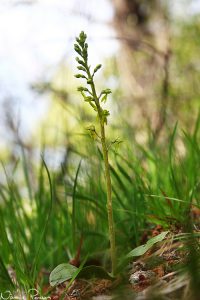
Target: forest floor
{"x": 158, "y": 274}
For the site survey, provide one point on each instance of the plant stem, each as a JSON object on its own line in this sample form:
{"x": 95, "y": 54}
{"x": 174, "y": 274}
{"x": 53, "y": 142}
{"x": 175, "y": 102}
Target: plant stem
{"x": 107, "y": 178}
{"x": 81, "y": 48}
{"x": 109, "y": 199}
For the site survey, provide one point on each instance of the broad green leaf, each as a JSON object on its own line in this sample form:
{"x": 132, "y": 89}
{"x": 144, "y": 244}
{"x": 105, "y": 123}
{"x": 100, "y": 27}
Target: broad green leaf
{"x": 89, "y": 272}
{"x": 62, "y": 273}
{"x": 144, "y": 248}
{"x": 77, "y": 272}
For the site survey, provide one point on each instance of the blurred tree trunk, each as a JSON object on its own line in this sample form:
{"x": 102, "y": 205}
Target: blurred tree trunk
{"x": 142, "y": 28}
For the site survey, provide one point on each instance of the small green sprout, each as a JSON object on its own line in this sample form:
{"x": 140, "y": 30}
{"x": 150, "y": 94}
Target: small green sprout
{"x": 89, "y": 95}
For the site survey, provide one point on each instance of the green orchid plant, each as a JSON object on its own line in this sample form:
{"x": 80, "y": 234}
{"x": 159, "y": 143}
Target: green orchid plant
{"x": 96, "y": 101}
{"x": 67, "y": 271}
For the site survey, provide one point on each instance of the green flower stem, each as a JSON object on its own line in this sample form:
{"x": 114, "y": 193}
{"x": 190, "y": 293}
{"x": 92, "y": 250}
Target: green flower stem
{"x": 109, "y": 200}
{"x": 107, "y": 178}
{"x": 95, "y": 102}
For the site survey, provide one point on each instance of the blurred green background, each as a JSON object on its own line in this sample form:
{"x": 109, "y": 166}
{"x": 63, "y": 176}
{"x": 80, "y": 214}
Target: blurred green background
{"x": 150, "y": 56}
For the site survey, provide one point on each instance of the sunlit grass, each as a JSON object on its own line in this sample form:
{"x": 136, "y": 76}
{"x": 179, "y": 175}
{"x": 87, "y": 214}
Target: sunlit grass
{"x": 150, "y": 187}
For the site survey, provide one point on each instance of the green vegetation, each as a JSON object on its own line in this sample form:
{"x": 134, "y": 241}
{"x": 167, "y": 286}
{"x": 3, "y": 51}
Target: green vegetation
{"x": 63, "y": 219}
{"x": 102, "y": 114}
{"x": 157, "y": 186}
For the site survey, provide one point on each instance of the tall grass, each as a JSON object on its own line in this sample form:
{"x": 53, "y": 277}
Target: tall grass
{"x": 43, "y": 219}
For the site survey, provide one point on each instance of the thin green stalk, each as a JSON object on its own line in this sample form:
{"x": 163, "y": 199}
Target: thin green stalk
{"x": 74, "y": 207}
{"x": 108, "y": 180}
{"x": 95, "y": 101}
{"x": 109, "y": 200}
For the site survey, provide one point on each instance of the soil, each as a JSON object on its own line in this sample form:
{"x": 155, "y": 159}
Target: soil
{"x": 155, "y": 275}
